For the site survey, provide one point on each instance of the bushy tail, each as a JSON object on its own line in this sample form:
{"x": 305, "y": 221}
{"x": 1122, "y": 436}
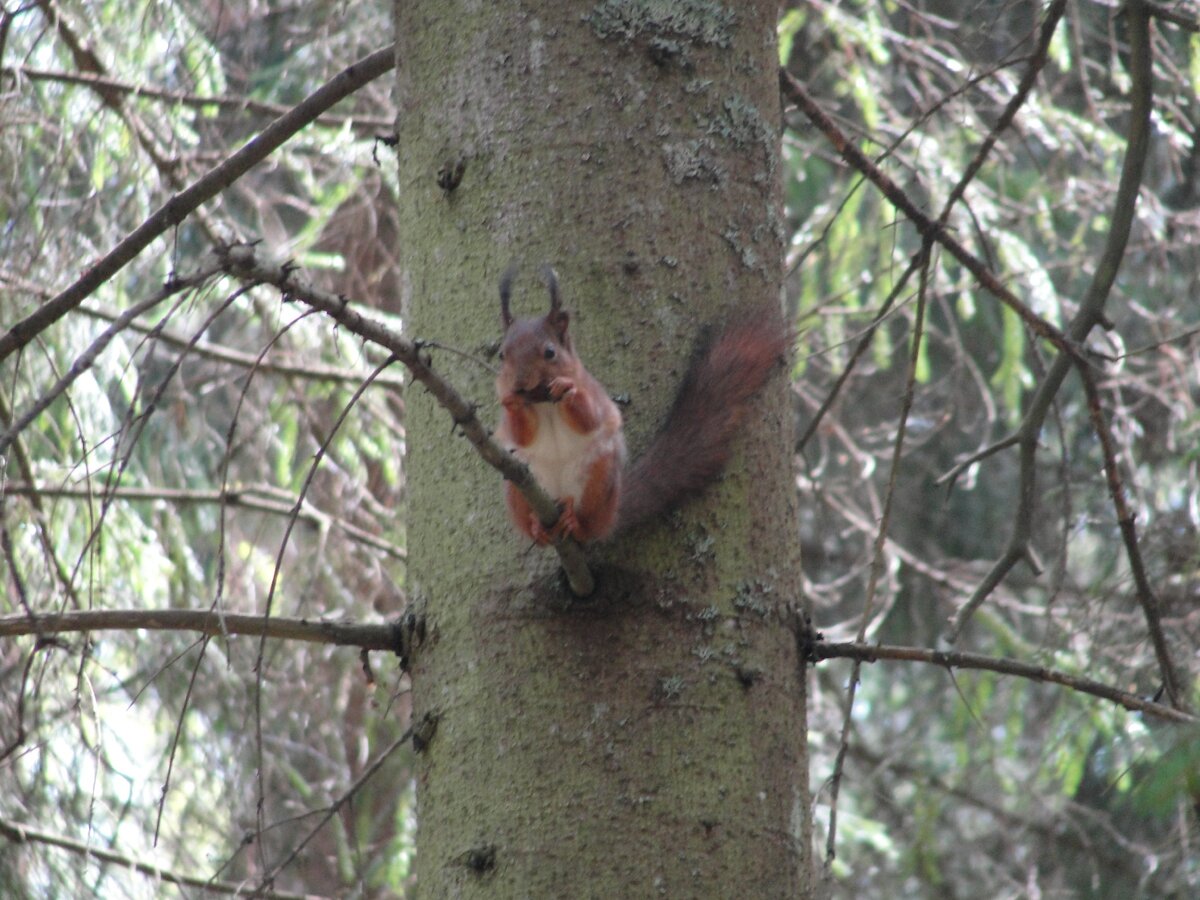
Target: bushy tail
{"x": 693, "y": 446}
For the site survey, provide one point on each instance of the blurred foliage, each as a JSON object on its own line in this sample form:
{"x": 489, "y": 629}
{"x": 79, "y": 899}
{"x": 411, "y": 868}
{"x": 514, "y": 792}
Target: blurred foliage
{"x": 985, "y": 786}
{"x": 957, "y": 785}
{"x": 147, "y": 743}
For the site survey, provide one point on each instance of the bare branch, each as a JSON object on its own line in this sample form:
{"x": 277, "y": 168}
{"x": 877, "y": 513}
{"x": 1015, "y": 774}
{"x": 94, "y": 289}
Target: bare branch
{"x": 1174, "y": 16}
{"x": 333, "y": 808}
{"x": 1089, "y": 314}
{"x": 22, "y": 834}
{"x": 927, "y": 227}
{"x": 223, "y": 354}
{"x": 877, "y": 550}
{"x": 869, "y": 653}
{"x": 1146, "y": 596}
{"x": 246, "y": 498}
{"x": 1028, "y": 79}
{"x": 209, "y": 622}
{"x": 176, "y": 209}
{"x": 243, "y": 262}
{"x": 88, "y": 358}
{"x": 363, "y": 124}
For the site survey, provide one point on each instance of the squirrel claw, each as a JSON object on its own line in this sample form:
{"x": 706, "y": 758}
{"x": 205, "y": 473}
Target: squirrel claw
{"x": 566, "y": 526}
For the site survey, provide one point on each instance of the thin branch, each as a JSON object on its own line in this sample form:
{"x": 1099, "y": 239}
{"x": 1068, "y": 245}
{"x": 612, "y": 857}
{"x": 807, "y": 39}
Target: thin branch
{"x": 1028, "y": 79}
{"x": 922, "y": 261}
{"x": 366, "y": 124}
{"x": 152, "y": 144}
{"x": 245, "y": 498}
{"x": 244, "y": 263}
{"x": 40, "y": 521}
{"x": 926, "y": 227}
{"x": 23, "y": 834}
{"x": 209, "y": 622}
{"x": 260, "y": 661}
{"x": 88, "y": 358}
{"x": 1126, "y": 520}
{"x": 869, "y": 653}
{"x": 864, "y": 343}
{"x": 334, "y": 807}
{"x": 1174, "y": 16}
{"x": 1088, "y": 316}
{"x": 223, "y": 354}
{"x": 1054, "y": 12}
{"x": 182, "y": 204}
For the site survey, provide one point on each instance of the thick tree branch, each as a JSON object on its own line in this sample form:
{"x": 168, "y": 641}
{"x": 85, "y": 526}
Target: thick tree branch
{"x": 176, "y": 209}
{"x": 243, "y": 262}
{"x": 954, "y": 660}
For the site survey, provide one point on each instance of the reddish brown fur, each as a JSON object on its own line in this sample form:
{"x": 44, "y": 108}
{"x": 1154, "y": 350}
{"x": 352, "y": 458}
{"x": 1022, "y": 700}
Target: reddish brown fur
{"x": 694, "y": 444}
{"x": 561, "y": 421}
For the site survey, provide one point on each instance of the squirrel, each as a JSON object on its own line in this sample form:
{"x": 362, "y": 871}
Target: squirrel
{"x": 558, "y": 419}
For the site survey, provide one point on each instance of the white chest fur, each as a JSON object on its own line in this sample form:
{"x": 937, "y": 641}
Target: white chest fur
{"x": 560, "y": 457}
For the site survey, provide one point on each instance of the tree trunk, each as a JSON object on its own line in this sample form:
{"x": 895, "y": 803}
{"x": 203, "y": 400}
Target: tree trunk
{"x": 650, "y": 740}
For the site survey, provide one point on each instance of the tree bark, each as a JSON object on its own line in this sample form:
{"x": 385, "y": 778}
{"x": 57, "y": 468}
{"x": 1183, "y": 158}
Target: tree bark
{"x": 652, "y": 739}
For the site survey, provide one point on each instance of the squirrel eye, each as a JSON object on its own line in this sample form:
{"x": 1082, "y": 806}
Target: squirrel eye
{"x": 549, "y": 352}
{"x": 501, "y": 355}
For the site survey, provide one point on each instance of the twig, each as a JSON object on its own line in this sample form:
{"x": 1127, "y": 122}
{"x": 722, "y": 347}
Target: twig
{"x": 245, "y": 498}
{"x": 1126, "y": 520}
{"x": 1036, "y": 62}
{"x": 23, "y": 834}
{"x": 864, "y": 343}
{"x": 40, "y": 521}
{"x": 926, "y": 227}
{"x": 243, "y": 262}
{"x": 922, "y": 261}
{"x": 1089, "y": 314}
{"x": 1174, "y": 16}
{"x": 260, "y": 661}
{"x": 365, "y": 124}
{"x": 152, "y": 144}
{"x": 1029, "y": 76}
{"x": 333, "y": 808}
{"x": 223, "y": 354}
{"x": 869, "y": 653}
{"x": 176, "y": 209}
{"x": 87, "y": 359}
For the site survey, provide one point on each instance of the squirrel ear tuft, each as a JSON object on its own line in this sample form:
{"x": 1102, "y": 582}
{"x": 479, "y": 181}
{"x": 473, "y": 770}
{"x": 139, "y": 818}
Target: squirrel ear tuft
{"x": 557, "y": 317}
{"x": 506, "y": 281}
{"x": 551, "y": 278}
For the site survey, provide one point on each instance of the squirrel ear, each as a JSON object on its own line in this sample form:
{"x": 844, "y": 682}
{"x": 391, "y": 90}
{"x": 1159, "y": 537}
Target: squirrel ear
{"x": 506, "y": 281}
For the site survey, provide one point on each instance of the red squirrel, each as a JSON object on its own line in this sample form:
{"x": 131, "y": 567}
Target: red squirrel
{"x": 558, "y": 419}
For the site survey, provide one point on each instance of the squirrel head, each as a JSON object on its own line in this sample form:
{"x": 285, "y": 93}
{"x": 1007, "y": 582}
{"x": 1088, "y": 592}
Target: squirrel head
{"x": 534, "y": 351}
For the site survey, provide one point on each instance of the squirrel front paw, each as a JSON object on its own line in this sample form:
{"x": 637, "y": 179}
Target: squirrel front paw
{"x": 566, "y": 526}
{"x": 560, "y": 387}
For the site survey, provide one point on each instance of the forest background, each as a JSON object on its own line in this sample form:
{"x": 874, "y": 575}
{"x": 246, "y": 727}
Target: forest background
{"x": 996, "y": 453}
